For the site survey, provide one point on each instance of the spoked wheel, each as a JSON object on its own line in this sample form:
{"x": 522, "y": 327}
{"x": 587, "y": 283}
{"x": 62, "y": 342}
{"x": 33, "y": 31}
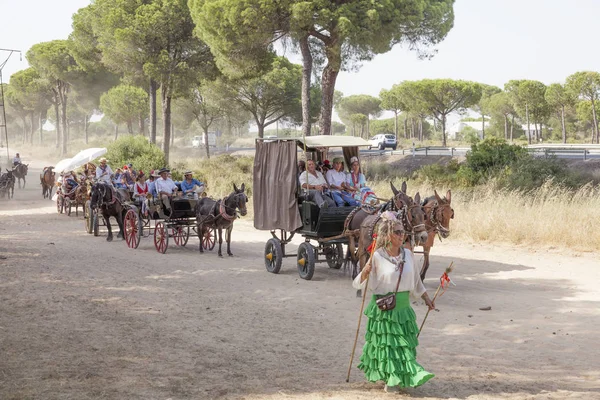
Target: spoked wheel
{"x": 60, "y": 204}
{"x": 273, "y": 255}
{"x": 209, "y": 239}
{"x": 334, "y": 254}
{"x": 132, "y": 229}
{"x": 306, "y": 261}
{"x": 181, "y": 234}
{"x": 89, "y": 223}
{"x": 161, "y": 237}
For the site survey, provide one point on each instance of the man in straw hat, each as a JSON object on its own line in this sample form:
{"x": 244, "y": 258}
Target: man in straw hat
{"x": 191, "y": 186}
{"x": 103, "y": 172}
{"x": 337, "y": 181}
{"x": 165, "y": 187}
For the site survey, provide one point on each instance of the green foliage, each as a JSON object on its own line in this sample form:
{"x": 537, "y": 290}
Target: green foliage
{"x": 492, "y": 154}
{"x": 530, "y": 173}
{"x": 137, "y": 151}
{"x": 221, "y": 172}
{"x": 124, "y": 104}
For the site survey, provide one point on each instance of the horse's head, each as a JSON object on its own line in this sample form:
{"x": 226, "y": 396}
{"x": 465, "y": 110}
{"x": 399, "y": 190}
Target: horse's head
{"x": 100, "y": 194}
{"x": 439, "y": 212}
{"x": 413, "y": 216}
{"x": 238, "y": 199}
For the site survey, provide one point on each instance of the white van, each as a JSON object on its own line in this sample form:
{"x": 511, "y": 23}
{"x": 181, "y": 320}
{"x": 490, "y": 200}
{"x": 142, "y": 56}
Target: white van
{"x": 198, "y": 141}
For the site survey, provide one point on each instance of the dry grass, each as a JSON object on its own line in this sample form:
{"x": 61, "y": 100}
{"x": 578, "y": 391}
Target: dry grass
{"x": 551, "y": 216}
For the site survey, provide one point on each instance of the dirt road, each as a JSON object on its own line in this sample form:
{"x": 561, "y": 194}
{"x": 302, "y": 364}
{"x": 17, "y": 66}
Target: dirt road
{"x": 81, "y": 318}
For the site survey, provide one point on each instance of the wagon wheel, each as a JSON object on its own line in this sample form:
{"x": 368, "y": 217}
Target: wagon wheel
{"x": 209, "y": 239}
{"x": 181, "y": 234}
{"x": 59, "y": 204}
{"x": 95, "y": 222}
{"x": 68, "y": 205}
{"x": 161, "y": 237}
{"x": 273, "y": 255}
{"x": 306, "y": 261}
{"x": 132, "y": 229}
{"x": 89, "y": 223}
{"x": 334, "y": 254}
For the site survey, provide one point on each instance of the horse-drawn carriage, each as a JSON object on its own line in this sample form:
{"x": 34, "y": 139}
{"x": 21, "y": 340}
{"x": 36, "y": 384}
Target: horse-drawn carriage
{"x": 280, "y": 206}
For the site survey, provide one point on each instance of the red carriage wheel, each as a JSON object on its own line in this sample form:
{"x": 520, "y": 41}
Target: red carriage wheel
{"x": 181, "y": 235}
{"x": 161, "y": 237}
{"x": 209, "y": 239}
{"x": 132, "y": 229}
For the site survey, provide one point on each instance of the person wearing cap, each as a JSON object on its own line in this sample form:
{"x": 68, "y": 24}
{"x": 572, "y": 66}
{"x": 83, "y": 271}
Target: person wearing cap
{"x": 189, "y": 185}
{"x": 165, "y": 188}
{"x": 315, "y": 185}
{"x": 118, "y": 179}
{"x": 356, "y": 183}
{"x": 151, "y": 182}
{"x": 103, "y": 172}
{"x": 140, "y": 191}
{"x": 337, "y": 180}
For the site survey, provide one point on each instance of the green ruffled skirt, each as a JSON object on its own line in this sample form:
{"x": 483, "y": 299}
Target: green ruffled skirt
{"x": 390, "y": 349}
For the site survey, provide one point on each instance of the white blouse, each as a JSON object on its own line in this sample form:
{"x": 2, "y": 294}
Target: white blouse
{"x": 384, "y": 275}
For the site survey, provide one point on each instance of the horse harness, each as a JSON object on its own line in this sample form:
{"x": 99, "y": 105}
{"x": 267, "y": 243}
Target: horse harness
{"x": 437, "y": 225}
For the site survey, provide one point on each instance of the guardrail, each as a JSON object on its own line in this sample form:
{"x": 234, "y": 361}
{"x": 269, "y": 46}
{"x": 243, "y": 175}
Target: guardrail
{"x": 553, "y": 151}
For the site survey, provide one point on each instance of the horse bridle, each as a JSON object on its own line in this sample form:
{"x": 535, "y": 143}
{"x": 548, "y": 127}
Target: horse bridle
{"x": 437, "y": 225}
{"x": 223, "y": 208}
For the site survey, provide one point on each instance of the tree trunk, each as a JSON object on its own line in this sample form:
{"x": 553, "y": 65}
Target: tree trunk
{"x": 41, "y": 129}
{"x": 420, "y": 129}
{"x": 564, "y": 127}
{"x": 86, "y": 125}
{"x": 261, "y": 130}
{"x": 512, "y": 127}
{"x": 32, "y": 117}
{"x": 368, "y": 127}
{"x": 63, "y": 117}
{"x": 153, "y": 89}
{"x": 505, "y": 127}
{"x": 142, "y": 125}
{"x": 24, "y": 130}
{"x": 482, "y": 126}
{"x": 405, "y": 127}
{"x": 166, "y": 114}
{"x": 57, "y": 127}
{"x": 528, "y": 128}
{"x": 396, "y": 123}
{"x": 116, "y": 131}
{"x": 541, "y": 136}
{"x": 172, "y": 134}
{"x": 412, "y": 128}
{"x": 595, "y": 134}
{"x": 307, "y": 63}
{"x": 444, "y": 130}
{"x": 130, "y": 127}
{"x": 333, "y": 51}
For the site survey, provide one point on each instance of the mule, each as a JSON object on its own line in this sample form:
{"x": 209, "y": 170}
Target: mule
{"x": 47, "y": 178}
{"x": 410, "y": 214}
{"x": 7, "y": 184}
{"x": 220, "y": 215}
{"x": 20, "y": 172}
{"x": 106, "y": 200}
{"x": 438, "y": 213}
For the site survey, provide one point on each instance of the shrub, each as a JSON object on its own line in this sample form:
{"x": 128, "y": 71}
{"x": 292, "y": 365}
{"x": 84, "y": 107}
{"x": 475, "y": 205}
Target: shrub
{"x": 492, "y": 155}
{"x": 136, "y": 150}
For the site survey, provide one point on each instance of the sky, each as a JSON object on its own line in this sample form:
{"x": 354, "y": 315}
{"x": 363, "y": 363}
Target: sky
{"x": 493, "y": 41}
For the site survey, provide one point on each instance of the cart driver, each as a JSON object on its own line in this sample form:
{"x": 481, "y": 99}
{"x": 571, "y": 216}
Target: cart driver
{"x": 103, "y": 172}
{"x": 315, "y": 186}
{"x": 165, "y": 187}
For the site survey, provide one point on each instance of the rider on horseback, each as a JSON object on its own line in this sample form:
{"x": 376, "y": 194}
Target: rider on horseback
{"x": 16, "y": 160}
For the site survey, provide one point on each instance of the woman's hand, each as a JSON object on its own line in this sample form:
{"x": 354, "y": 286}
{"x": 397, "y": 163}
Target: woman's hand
{"x": 430, "y": 304}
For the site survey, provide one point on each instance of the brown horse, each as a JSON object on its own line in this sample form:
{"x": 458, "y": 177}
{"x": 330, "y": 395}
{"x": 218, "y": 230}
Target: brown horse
{"x": 411, "y": 216}
{"x": 47, "y": 180}
{"x": 89, "y": 169}
{"x": 438, "y": 213}
{"x": 220, "y": 215}
{"x": 20, "y": 171}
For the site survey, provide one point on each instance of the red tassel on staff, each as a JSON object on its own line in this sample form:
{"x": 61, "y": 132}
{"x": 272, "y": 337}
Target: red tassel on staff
{"x": 373, "y": 243}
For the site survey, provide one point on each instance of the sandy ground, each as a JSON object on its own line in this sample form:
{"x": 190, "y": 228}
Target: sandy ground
{"x": 81, "y": 318}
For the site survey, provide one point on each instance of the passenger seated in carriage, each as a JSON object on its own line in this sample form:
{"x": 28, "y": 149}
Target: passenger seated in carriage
{"x": 151, "y": 182}
{"x": 191, "y": 186}
{"x": 129, "y": 176}
{"x": 337, "y": 181}
{"x": 165, "y": 188}
{"x": 70, "y": 181}
{"x": 315, "y": 186}
{"x": 140, "y": 193}
{"x": 118, "y": 180}
{"x": 357, "y": 184}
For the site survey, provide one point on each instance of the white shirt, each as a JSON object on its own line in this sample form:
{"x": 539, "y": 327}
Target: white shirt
{"x": 17, "y": 160}
{"x": 165, "y": 185}
{"x": 307, "y": 177}
{"x": 384, "y": 276}
{"x": 104, "y": 175}
{"x": 336, "y": 178}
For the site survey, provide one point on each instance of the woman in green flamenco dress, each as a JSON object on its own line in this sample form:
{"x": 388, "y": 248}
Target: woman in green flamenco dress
{"x": 389, "y": 353}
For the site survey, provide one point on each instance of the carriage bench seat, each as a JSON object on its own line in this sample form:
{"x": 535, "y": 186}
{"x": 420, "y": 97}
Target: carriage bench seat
{"x": 321, "y": 223}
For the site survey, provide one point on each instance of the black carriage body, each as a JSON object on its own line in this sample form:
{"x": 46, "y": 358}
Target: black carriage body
{"x": 322, "y": 223}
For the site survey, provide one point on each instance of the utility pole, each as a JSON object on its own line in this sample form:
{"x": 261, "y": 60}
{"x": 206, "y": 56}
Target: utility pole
{"x": 3, "y": 123}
